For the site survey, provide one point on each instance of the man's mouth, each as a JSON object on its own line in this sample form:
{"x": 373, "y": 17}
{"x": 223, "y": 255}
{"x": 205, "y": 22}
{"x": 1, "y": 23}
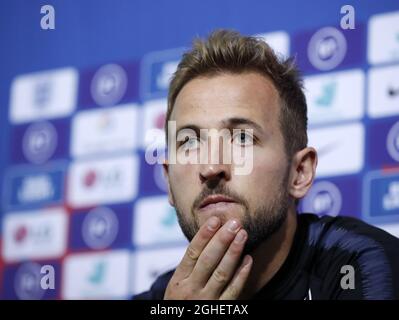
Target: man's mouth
{"x": 216, "y": 202}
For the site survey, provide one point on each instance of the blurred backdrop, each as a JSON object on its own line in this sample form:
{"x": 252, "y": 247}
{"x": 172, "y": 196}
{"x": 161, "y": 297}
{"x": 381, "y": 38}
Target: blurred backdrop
{"x": 77, "y": 101}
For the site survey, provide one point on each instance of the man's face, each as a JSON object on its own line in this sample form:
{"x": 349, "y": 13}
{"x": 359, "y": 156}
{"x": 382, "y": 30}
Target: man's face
{"x": 260, "y": 199}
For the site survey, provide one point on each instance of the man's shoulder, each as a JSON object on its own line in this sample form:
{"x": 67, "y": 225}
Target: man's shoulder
{"x": 327, "y": 231}
{"x": 157, "y": 290}
{"x": 338, "y": 242}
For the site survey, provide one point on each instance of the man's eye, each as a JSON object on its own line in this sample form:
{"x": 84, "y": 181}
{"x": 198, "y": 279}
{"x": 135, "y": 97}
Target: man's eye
{"x": 243, "y": 138}
{"x": 190, "y": 143}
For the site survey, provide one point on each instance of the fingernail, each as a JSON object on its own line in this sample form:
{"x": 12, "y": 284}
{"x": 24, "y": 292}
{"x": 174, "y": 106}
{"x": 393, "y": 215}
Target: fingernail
{"x": 240, "y": 237}
{"x": 232, "y": 226}
{"x": 213, "y": 223}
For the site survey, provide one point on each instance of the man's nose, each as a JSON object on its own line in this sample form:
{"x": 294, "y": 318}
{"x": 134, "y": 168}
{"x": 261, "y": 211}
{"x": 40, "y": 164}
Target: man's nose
{"x": 214, "y": 172}
{"x": 213, "y": 166}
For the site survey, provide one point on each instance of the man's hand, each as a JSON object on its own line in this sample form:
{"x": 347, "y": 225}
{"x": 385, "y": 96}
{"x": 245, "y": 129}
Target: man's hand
{"x": 210, "y": 268}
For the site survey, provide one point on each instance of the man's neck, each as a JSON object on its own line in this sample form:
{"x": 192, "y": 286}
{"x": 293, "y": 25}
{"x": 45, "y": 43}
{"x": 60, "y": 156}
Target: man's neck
{"x": 270, "y": 255}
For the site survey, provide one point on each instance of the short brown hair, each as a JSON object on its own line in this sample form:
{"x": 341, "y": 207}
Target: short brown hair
{"x": 229, "y": 51}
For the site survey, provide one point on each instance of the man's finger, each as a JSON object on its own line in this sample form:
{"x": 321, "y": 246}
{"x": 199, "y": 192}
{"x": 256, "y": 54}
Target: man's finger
{"x": 234, "y": 289}
{"x": 214, "y": 252}
{"x": 196, "y": 246}
{"x": 228, "y": 265}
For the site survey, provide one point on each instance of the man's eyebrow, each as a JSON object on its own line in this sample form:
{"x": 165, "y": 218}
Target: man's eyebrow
{"x": 193, "y": 127}
{"x": 234, "y": 122}
{"x": 229, "y": 123}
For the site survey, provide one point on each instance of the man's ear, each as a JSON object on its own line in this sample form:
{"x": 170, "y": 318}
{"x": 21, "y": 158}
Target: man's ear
{"x": 165, "y": 166}
{"x": 303, "y": 171}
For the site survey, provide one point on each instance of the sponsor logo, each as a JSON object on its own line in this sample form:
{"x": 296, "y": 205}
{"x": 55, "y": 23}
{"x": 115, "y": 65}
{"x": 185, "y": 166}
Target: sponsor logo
{"x": 155, "y": 222}
{"x": 381, "y": 197}
{"x": 39, "y": 142}
{"x": 383, "y": 91}
{"x": 390, "y": 200}
{"x": 383, "y": 38}
{"x": 109, "y": 85}
{"x": 36, "y": 188}
{"x": 383, "y": 147}
{"x": 34, "y": 234}
{"x": 31, "y": 281}
{"x": 329, "y": 96}
{"x": 324, "y": 198}
{"x": 104, "y": 130}
{"x": 157, "y": 70}
{"x": 43, "y": 95}
{"x": 29, "y": 187}
{"x": 146, "y": 272}
{"x": 109, "y": 180}
{"x": 100, "y": 228}
{"x": 392, "y": 142}
{"x": 27, "y": 282}
{"x": 393, "y": 91}
{"x": 334, "y": 145}
{"x": 327, "y": 48}
{"x": 98, "y": 275}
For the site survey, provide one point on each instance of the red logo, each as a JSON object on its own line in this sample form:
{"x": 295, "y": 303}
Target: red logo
{"x": 20, "y": 234}
{"x": 90, "y": 178}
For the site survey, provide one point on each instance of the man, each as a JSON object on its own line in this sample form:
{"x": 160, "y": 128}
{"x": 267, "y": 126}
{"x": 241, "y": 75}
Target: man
{"x": 246, "y": 239}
